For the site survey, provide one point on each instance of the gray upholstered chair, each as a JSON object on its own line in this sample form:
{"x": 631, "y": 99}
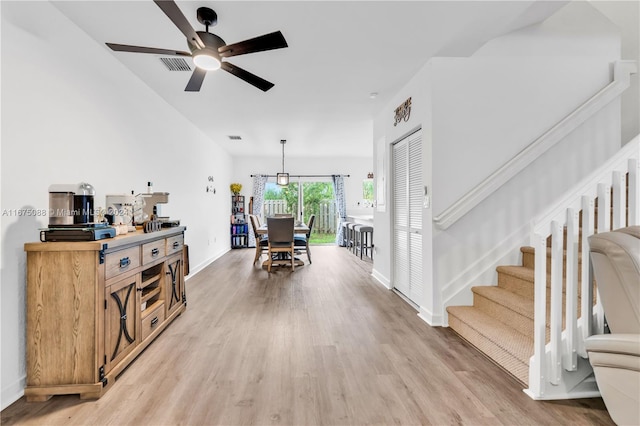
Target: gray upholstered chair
{"x": 615, "y": 357}
{"x": 301, "y": 241}
{"x": 281, "y": 248}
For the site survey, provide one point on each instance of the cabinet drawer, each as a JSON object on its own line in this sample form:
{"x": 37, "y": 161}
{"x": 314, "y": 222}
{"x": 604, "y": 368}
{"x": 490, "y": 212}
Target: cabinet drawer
{"x": 122, "y": 261}
{"x": 152, "y": 251}
{"x": 174, "y": 244}
{"x": 151, "y": 321}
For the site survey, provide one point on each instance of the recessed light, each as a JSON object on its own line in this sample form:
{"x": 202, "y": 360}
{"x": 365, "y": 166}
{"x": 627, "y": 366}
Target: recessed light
{"x": 373, "y": 95}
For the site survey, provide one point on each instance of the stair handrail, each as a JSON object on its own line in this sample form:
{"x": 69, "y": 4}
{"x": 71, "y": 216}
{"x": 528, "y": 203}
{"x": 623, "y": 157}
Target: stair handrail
{"x": 616, "y": 186}
{"x": 622, "y": 71}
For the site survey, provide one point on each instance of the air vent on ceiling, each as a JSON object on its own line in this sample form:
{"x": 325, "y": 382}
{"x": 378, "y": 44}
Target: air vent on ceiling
{"x": 235, "y": 138}
{"x": 176, "y": 64}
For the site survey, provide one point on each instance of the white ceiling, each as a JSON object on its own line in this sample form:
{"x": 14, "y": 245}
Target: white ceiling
{"x": 338, "y": 54}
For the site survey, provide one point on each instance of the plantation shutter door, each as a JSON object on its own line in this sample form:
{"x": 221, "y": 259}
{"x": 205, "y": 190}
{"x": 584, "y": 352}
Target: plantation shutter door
{"x": 416, "y": 195}
{"x": 407, "y": 213}
{"x": 401, "y": 218}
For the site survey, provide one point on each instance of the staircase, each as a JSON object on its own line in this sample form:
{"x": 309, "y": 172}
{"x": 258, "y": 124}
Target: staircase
{"x": 531, "y": 322}
{"x": 501, "y": 321}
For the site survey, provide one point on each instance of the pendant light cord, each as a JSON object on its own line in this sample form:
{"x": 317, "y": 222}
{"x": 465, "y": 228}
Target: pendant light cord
{"x": 283, "y": 141}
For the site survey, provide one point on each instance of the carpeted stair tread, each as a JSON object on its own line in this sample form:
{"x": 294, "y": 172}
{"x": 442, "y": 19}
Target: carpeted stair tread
{"x": 517, "y": 279}
{"x": 512, "y": 309}
{"x": 528, "y": 256}
{"x": 520, "y": 272}
{"x": 503, "y": 344}
{"x": 515, "y": 302}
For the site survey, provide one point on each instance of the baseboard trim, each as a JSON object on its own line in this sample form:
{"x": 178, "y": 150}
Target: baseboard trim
{"x": 13, "y": 392}
{"x": 201, "y": 266}
{"x": 386, "y": 282}
{"x": 428, "y": 317}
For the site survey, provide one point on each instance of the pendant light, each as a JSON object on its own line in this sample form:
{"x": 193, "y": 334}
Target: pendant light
{"x": 282, "y": 179}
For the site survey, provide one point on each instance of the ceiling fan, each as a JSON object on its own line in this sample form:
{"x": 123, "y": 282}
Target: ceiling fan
{"x": 207, "y": 49}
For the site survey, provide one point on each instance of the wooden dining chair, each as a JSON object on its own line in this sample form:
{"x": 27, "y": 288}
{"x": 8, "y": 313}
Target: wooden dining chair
{"x": 262, "y": 244}
{"x": 281, "y": 249}
{"x": 301, "y": 241}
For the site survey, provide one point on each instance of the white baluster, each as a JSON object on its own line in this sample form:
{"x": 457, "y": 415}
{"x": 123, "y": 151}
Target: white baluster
{"x": 586, "y": 280}
{"x": 538, "y": 363}
{"x": 604, "y": 207}
{"x": 619, "y": 199}
{"x": 570, "y": 359}
{"x": 556, "y": 301}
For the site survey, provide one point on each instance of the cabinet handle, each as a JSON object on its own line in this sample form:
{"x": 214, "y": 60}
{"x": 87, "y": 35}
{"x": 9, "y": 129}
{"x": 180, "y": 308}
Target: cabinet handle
{"x": 176, "y": 245}
{"x": 155, "y": 252}
{"x": 154, "y": 322}
{"x": 124, "y": 262}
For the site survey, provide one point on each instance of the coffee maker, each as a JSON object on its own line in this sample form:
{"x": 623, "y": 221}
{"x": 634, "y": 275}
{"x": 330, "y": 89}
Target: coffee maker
{"x": 61, "y": 204}
{"x": 83, "y": 204}
{"x": 71, "y": 215}
{"x": 71, "y": 204}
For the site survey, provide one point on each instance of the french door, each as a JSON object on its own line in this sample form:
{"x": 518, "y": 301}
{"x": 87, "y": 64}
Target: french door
{"x": 407, "y": 217}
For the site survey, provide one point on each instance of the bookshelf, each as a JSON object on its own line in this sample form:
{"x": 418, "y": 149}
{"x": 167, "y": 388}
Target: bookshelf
{"x": 239, "y": 225}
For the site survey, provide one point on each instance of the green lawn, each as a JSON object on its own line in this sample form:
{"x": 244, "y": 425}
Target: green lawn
{"x": 317, "y": 238}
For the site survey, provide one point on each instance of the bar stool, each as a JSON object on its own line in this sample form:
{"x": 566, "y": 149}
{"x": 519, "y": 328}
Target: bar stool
{"x": 351, "y": 244}
{"x": 355, "y": 238}
{"x": 365, "y": 241}
{"x": 345, "y": 234}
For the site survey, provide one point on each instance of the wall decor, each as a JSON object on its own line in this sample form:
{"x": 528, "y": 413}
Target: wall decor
{"x": 403, "y": 112}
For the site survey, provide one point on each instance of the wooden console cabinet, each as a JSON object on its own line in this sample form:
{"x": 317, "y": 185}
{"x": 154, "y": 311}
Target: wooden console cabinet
{"x": 93, "y": 306}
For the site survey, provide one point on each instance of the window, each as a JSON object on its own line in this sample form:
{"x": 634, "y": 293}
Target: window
{"x": 367, "y": 193}
{"x": 302, "y": 199}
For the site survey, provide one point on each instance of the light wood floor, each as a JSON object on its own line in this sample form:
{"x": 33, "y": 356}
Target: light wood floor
{"x": 325, "y": 344}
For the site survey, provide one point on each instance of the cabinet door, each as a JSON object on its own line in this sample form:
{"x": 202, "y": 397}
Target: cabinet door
{"x": 121, "y": 320}
{"x": 174, "y": 292}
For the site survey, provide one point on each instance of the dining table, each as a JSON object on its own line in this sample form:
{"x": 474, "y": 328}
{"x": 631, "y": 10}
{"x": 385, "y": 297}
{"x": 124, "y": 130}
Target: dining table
{"x": 298, "y": 228}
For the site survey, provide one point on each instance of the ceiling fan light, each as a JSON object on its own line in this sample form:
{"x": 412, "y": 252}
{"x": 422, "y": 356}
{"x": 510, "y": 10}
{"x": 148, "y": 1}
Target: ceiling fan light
{"x": 282, "y": 179}
{"x": 206, "y": 60}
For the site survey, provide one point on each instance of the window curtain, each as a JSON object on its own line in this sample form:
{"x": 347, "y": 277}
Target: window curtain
{"x": 259, "y": 183}
{"x": 341, "y": 205}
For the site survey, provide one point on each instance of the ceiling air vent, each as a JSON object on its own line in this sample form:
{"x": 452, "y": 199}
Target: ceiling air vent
{"x": 176, "y": 64}
{"x": 235, "y": 138}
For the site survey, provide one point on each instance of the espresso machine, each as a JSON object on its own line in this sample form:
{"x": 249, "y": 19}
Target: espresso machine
{"x": 151, "y": 209}
{"x": 71, "y": 215}
{"x": 120, "y": 210}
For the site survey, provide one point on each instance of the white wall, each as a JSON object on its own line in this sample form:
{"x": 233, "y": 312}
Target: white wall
{"x": 483, "y": 110}
{"x": 488, "y": 109}
{"x": 356, "y": 167}
{"x": 385, "y": 134}
{"x": 626, "y": 16}
{"x": 72, "y": 114}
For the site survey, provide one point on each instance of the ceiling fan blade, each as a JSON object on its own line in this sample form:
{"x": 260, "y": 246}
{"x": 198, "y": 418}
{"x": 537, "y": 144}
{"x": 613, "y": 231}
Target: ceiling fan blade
{"x": 171, "y": 9}
{"x": 139, "y": 49}
{"x": 195, "y": 82}
{"x": 250, "y": 78}
{"x": 258, "y": 44}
